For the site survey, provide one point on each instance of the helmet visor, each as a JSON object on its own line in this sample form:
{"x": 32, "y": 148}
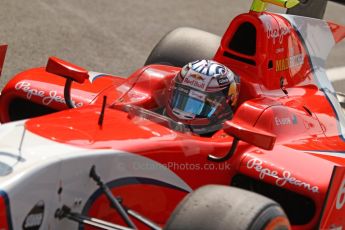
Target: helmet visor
{"x": 190, "y": 103}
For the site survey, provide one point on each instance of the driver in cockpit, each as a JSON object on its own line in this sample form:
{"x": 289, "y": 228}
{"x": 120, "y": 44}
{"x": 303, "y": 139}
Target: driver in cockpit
{"x": 203, "y": 95}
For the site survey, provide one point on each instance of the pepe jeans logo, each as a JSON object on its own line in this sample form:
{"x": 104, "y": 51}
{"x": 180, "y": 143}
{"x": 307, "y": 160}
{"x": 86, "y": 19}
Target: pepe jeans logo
{"x": 281, "y": 181}
{"x": 277, "y": 34}
{"x": 47, "y": 97}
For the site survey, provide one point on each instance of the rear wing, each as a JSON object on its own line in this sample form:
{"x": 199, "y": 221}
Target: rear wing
{"x": 3, "y": 49}
{"x": 312, "y": 8}
{"x": 333, "y": 214}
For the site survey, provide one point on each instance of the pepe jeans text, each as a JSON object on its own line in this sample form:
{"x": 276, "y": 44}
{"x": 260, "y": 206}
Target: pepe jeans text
{"x": 281, "y": 181}
{"x": 47, "y": 97}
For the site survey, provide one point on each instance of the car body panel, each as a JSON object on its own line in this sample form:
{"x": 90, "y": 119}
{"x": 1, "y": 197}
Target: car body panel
{"x": 152, "y": 161}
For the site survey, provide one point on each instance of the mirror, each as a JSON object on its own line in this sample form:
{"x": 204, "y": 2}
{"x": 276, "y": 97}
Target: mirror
{"x": 66, "y": 70}
{"x": 69, "y": 71}
{"x": 250, "y": 134}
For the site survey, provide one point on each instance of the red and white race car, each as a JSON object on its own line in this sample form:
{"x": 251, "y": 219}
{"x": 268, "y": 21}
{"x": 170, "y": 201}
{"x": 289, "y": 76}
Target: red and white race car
{"x": 87, "y": 150}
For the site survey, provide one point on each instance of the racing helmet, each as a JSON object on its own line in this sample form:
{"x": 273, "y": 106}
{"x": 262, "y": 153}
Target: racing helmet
{"x": 202, "y": 95}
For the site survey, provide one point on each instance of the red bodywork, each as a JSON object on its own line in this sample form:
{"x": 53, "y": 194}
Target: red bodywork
{"x": 303, "y": 123}
{"x": 3, "y": 49}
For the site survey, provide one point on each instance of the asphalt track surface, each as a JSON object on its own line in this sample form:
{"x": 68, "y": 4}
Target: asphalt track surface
{"x": 114, "y": 36}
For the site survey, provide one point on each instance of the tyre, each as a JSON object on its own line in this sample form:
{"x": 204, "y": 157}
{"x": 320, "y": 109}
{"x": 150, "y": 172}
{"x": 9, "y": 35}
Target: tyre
{"x": 226, "y": 208}
{"x": 184, "y": 45}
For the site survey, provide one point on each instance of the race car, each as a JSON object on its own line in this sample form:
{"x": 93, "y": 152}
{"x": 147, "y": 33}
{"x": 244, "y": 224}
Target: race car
{"x": 87, "y": 150}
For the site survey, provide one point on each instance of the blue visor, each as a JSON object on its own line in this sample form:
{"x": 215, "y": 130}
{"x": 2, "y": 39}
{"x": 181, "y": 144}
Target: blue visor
{"x": 191, "y": 105}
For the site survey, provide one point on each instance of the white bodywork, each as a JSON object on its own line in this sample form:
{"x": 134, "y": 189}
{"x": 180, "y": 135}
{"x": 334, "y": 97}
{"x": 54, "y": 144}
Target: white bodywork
{"x": 32, "y": 170}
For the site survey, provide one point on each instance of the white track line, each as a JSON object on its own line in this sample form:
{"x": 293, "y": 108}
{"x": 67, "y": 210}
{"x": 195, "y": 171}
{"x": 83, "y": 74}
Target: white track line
{"x": 336, "y": 74}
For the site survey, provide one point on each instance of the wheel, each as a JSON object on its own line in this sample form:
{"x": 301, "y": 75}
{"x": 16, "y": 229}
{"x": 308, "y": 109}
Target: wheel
{"x": 184, "y": 45}
{"x": 226, "y": 208}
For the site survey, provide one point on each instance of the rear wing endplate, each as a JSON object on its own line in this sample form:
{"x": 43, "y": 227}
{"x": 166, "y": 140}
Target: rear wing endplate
{"x": 3, "y": 49}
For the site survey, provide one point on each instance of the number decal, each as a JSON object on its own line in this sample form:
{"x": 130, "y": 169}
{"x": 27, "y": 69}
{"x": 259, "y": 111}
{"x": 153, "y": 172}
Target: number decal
{"x": 341, "y": 196}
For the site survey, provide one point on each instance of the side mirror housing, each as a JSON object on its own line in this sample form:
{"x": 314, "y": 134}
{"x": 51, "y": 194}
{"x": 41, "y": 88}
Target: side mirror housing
{"x": 66, "y": 70}
{"x": 251, "y": 135}
{"x": 69, "y": 71}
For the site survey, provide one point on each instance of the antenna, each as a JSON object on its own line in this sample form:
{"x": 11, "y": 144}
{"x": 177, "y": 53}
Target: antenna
{"x": 260, "y": 5}
{"x": 101, "y": 116}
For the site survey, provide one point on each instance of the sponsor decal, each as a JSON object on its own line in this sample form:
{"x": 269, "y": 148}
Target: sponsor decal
{"x": 280, "y": 121}
{"x": 278, "y": 33}
{"x": 195, "y": 81}
{"x": 34, "y": 219}
{"x": 341, "y": 196}
{"x": 223, "y": 81}
{"x": 290, "y": 62}
{"x": 281, "y": 180}
{"x": 47, "y": 96}
{"x": 183, "y": 90}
